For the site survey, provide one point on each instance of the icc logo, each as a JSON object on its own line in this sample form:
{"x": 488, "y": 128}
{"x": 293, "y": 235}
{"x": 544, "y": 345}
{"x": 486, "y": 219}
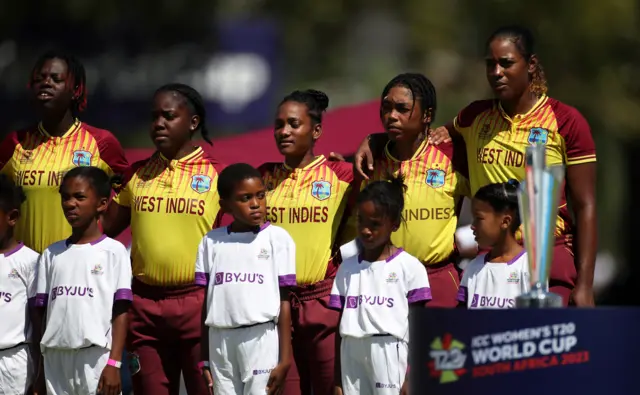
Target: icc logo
{"x": 435, "y": 178}
{"x": 321, "y": 190}
{"x": 201, "y": 183}
{"x": 538, "y": 136}
{"x": 81, "y": 158}
{"x": 448, "y": 360}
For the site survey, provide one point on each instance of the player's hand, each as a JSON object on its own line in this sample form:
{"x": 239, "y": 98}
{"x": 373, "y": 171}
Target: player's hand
{"x": 582, "y": 296}
{"x": 336, "y": 157}
{"x": 405, "y": 386}
{"x": 364, "y": 159}
{"x": 109, "y": 383}
{"x": 208, "y": 380}
{"x": 337, "y": 390}
{"x": 275, "y": 385}
{"x": 439, "y": 135}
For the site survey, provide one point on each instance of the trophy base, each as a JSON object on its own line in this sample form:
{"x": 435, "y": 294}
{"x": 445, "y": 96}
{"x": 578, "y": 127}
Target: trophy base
{"x": 538, "y": 299}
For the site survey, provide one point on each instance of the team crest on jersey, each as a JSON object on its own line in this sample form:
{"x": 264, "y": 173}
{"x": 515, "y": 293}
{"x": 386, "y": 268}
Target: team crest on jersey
{"x": 264, "y": 254}
{"x": 14, "y": 273}
{"x": 201, "y": 183}
{"x": 97, "y": 269}
{"x": 321, "y": 190}
{"x": 392, "y": 278}
{"x": 435, "y": 178}
{"x": 538, "y": 136}
{"x": 81, "y": 158}
{"x": 513, "y": 278}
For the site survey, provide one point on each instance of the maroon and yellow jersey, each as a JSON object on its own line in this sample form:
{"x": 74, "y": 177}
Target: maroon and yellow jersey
{"x": 436, "y": 183}
{"x": 496, "y": 143}
{"x": 174, "y": 203}
{"x": 310, "y": 204}
{"x": 37, "y": 161}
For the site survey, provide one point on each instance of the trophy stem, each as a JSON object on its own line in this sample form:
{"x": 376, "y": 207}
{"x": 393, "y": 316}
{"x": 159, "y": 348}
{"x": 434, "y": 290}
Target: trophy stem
{"x": 538, "y": 298}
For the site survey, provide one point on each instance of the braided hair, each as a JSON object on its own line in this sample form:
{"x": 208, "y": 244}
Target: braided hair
{"x": 316, "y": 102}
{"x": 76, "y": 78}
{"x": 421, "y": 88}
{"x": 194, "y": 102}
{"x": 524, "y": 42}
{"x": 387, "y": 196}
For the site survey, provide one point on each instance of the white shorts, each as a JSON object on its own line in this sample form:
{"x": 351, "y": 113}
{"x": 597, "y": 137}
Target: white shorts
{"x": 16, "y": 370}
{"x": 242, "y": 358}
{"x": 74, "y": 372}
{"x": 373, "y": 365}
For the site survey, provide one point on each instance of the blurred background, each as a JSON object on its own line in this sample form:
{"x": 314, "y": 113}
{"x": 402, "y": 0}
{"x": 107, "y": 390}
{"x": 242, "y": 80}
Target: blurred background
{"x": 245, "y": 55}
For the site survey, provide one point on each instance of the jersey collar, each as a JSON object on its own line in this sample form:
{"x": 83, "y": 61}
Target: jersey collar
{"x": 389, "y": 259}
{"x": 196, "y": 154}
{"x": 13, "y": 251}
{"x": 419, "y": 152}
{"x": 74, "y": 128}
{"x": 518, "y": 117}
{"x": 319, "y": 160}
{"x": 258, "y": 230}
{"x": 512, "y": 261}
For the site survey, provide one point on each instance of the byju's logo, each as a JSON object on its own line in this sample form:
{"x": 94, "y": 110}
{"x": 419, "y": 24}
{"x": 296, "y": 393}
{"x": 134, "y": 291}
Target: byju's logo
{"x": 448, "y": 359}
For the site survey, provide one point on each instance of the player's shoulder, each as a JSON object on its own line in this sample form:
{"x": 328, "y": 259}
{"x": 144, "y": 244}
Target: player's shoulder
{"x": 566, "y": 115}
{"x": 23, "y": 255}
{"x": 476, "y": 264}
{"x": 217, "y": 234}
{"x": 269, "y": 168}
{"x": 276, "y": 232}
{"x": 99, "y": 134}
{"x": 137, "y": 167}
{"x": 342, "y": 170}
{"x": 405, "y": 259}
{"x": 467, "y": 115}
{"x": 212, "y": 161}
{"x": 55, "y": 248}
{"x": 18, "y": 135}
{"x": 113, "y": 245}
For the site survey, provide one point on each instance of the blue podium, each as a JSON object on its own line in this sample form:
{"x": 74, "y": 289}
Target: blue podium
{"x": 525, "y": 351}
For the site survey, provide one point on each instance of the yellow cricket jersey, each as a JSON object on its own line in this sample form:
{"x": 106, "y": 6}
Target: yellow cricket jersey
{"x": 436, "y": 183}
{"x": 174, "y": 203}
{"x": 496, "y": 143}
{"x": 37, "y": 161}
{"x": 310, "y": 203}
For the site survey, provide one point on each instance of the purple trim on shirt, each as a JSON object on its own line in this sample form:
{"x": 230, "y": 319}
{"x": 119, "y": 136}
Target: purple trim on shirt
{"x": 418, "y": 295}
{"x": 389, "y": 259}
{"x": 463, "y": 294}
{"x": 41, "y": 300}
{"x": 288, "y": 280}
{"x": 201, "y": 279}
{"x": 262, "y": 227}
{"x": 512, "y": 261}
{"x": 16, "y": 249}
{"x": 336, "y": 301}
{"x": 395, "y": 254}
{"x": 31, "y": 302}
{"x": 68, "y": 243}
{"x": 123, "y": 294}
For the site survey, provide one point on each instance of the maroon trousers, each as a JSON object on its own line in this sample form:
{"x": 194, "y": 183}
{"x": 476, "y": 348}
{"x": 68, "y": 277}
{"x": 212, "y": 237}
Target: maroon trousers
{"x": 165, "y": 332}
{"x": 444, "y": 280}
{"x": 314, "y": 328}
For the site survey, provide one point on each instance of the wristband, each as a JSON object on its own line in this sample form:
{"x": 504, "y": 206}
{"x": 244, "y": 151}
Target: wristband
{"x": 203, "y": 364}
{"x": 114, "y": 363}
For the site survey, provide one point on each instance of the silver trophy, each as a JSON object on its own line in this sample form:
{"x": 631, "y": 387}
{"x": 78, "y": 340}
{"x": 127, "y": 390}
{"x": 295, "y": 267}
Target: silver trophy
{"x": 538, "y": 197}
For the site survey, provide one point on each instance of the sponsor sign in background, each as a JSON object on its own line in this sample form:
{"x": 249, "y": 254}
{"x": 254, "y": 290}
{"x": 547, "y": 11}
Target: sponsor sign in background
{"x": 552, "y": 351}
